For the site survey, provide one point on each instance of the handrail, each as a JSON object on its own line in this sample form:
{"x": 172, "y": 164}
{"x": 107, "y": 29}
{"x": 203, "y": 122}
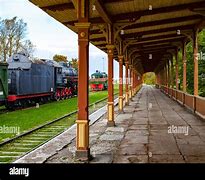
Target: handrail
{"x": 194, "y": 103}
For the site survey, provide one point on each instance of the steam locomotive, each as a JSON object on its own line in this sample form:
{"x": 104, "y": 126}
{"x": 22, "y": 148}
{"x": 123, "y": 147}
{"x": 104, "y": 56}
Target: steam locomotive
{"x": 98, "y": 81}
{"x": 33, "y": 81}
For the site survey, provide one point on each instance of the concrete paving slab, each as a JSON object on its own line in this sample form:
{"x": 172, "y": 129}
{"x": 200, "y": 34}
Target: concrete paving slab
{"x": 111, "y": 137}
{"x": 138, "y": 126}
{"x": 160, "y": 146}
{"x": 166, "y": 159}
{"x": 137, "y": 132}
{"x": 192, "y": 150}
{"x": 195, "y": 159}
{"x": 190, "y": 140}
{"x": 136, "y": 139}
{"x": 115, "y": 129}
{"x": 131, "y": 159}
{"x": 132, "y": 149}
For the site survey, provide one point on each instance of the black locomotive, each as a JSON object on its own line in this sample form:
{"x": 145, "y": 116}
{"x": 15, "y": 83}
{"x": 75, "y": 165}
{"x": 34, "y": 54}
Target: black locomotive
{"x": 34, "y": 81}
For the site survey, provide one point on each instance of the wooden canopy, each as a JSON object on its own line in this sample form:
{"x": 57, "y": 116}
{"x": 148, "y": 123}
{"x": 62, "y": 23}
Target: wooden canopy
{"x": 145, "y": 30}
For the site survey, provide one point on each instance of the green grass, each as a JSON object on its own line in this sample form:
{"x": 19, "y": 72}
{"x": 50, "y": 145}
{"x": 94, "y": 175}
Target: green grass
{"x": 2, "y": 107}
{"x": 27, "y": 119}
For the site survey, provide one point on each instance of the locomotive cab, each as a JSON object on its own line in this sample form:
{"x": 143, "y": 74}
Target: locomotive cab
{"x": 70, "y": 76}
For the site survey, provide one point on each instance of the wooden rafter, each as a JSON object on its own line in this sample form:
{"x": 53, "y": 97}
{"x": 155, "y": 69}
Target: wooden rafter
{"x": 163, "y": 41}
{"x": 98, "y": 39}
{"x": 168, "y": 38}
{"x": 96, "y": 20}
{"x": 164, "y": 21}
{"x": 154, "y": 48}
{"x": 103, "y": 12}
{"x": 156, "y": 31}
{"x": 115, "y": 1}
{"x": 172, "y": 35}
{"x": 124, "y": 16}
{"x": 59, "y": 7}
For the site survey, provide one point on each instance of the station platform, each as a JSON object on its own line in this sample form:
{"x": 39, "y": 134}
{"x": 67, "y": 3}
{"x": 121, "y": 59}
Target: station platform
{"x": 152, "y": 129}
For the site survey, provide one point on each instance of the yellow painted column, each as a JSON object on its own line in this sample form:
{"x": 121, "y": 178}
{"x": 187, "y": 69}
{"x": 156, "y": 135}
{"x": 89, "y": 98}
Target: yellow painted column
{"x": 110, "y": 103}
{"x": 82, "y": 140}
{"x": 120, "y": 58}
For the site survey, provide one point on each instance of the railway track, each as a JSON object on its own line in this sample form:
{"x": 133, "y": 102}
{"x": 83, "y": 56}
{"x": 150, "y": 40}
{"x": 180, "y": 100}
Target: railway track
{"x": 22, "y": 144}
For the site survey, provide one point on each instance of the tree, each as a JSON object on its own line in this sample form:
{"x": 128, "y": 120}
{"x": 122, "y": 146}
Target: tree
{"x": 74, "y": 63}
{"x": 28, "y": 47}
{"x": 190, "y": 65}
{"x": 12, "y": 38}
{"x": 59, "y": 58}
{"x": 149, "y": 78}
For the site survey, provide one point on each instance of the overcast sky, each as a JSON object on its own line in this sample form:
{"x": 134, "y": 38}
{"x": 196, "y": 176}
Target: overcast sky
{"x": 49, "y": 36}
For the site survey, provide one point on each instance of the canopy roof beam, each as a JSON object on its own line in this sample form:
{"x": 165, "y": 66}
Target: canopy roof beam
{"x": 103, "y": 12}
{"x": 59, "y": 7}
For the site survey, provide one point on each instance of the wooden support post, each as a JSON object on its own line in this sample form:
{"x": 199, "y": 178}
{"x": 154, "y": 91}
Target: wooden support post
{"x": 83, "y": 25}
{"x": 165, "y": 71}
{"x": 120, "y": 105}
{"x": 177, "y": 70}
{"x": 127, "y": 83}
{"x": 160, "y": 79}
{"x": 172, "y": 72}
{"x": 130, "y": 89}
{"x": 168, "y": 74}
{"x": 184, "y": 65}
{"x": 110, "y": 109}
{"x": 133, "y": 80}
{"x": 136, "y": 83}
{"x": 196, "y": 73}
